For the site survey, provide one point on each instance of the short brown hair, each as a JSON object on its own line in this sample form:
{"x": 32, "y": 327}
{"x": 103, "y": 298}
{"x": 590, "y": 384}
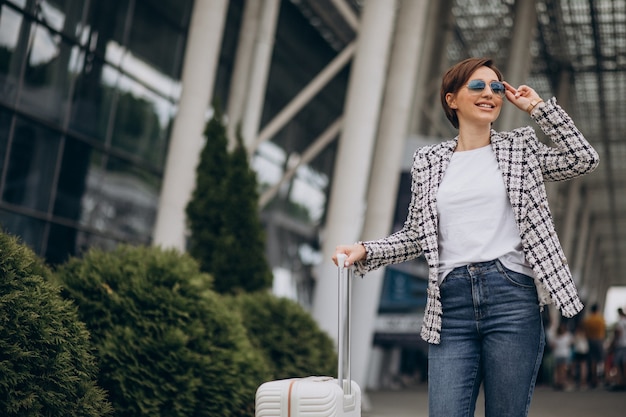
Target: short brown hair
{"x": 456, "y": 77}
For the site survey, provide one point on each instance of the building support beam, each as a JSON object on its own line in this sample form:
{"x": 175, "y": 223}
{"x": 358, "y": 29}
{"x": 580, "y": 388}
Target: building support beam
{"x": 382, "y": 192}
{"x": 352, "y": 165}
{"x": 582, "y": 241}
{"x": 592, "y": 267}
{"x": 186, "y": 141}
{"x": 296, "y": 161}
{"x": 305, "y": 95}
{"x": 438, "y": 29}
{"x": 260, "y": 67}
{"x": 568, "y": 231}
{"x": 519, "y": 60}
{"x": 242, "y": 67}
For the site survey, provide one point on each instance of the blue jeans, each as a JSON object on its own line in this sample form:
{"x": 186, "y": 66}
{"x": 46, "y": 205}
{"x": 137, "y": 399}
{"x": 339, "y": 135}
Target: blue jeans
{"x": 492, "y": 333}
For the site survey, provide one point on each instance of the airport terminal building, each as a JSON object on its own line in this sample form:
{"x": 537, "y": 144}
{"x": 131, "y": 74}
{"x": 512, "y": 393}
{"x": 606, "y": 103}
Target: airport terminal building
{"x": 104, "y": 103}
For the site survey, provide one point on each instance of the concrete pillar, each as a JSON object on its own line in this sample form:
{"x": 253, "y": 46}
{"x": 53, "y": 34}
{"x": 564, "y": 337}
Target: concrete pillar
{"x": 375, "y": 368}
{"x": 352, "y": 165}
{"x": 186, "y": 141}
{"x": 260, "y": 67}
{"x": 519, "y": 60}
{"x": 592, "y": 266}
{"x": 242, "y": 67}
{"x": 438, "y": 32}
{"x": 568, "y": 231}
{"x": 386, "y": 168}
{"x": 582, "y": 241}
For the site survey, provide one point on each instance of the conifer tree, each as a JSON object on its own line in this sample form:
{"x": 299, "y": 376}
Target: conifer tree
{"x": 227, "y": 237}
{"x": 204, "y": 211}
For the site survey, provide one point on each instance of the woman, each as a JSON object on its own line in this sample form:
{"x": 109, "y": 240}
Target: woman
{"x": 479, "y": 214}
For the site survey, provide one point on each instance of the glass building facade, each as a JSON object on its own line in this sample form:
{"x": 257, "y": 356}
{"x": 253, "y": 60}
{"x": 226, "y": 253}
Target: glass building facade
{"x": 89, "y": 94}
{"x": 89, "y": 91}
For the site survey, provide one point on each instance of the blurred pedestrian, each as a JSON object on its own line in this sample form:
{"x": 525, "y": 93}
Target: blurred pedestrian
{"x": 595, "y": 330}
{"x": 479, "y": 214}
{"x": 562, "y": 342}
{"x": 619, "y": 352}
{"x": 580, "y": 360}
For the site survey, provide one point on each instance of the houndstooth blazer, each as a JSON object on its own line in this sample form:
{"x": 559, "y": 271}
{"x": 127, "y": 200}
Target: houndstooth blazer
{"x": 525, "y": 164}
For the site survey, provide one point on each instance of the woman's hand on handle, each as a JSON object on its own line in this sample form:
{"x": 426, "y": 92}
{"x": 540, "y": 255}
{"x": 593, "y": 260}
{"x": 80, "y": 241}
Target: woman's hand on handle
{"x": 523, "y": 97}
{"x": 354, "y": 252}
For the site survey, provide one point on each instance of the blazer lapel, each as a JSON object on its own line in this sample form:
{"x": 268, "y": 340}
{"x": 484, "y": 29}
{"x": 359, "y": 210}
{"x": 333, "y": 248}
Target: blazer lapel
{"x": 432, "y": 175}
{"x": 510, "y": 157}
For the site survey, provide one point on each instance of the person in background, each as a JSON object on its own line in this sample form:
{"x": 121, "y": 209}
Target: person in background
{"x": 562, "y": 342}
{"x": 595, "y": 330}
{"x": 580, "y": 360}
{"x": 619, "y": 349}
{"x": 479, "y": 214}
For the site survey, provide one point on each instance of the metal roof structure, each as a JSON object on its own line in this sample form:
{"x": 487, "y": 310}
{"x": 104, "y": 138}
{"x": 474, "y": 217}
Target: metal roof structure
{"x": 584, "y": 39}
{"x": 587, "y": 40}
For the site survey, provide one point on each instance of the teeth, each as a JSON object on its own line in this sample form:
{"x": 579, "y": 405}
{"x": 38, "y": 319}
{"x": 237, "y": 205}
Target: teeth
{"x": 485, "y": 105}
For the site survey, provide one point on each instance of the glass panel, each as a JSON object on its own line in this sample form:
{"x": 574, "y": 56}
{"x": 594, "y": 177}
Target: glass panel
{"x": 31, "y": 166}
{"x": 28, "y": 229}
{"x": 5, "y": 126}
{"x": 86, "y": 241}
{"x": 121, "y": 201}
{"x": 308, "y": 194}
{"x": 46, "y": 77}
{"x": 93, "y": 95}
{"x": 105, "y": 27}
{"x": 22, "y": 3}
{"x": 176, "y": 10}
{"x": 142, "y": 122}
{"x": 64, "y": 242}
{"x": 150, "y": 35}
{"x": 62, "y": 15}
{"x": 13, "y": 42}
{"x": 78, "y": 159}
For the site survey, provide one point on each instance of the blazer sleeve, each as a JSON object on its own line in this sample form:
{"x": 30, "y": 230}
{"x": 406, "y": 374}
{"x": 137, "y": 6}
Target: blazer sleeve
{"x": 572, "y": 156}
{"x": 402, "y": 245}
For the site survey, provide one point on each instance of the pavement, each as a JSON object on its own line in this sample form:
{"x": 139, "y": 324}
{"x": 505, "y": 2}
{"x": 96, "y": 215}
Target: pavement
{"x": 413, "y": 402}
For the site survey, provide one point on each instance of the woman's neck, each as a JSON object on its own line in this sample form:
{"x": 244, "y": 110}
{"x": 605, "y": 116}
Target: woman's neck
{"x": 473, "y": 138}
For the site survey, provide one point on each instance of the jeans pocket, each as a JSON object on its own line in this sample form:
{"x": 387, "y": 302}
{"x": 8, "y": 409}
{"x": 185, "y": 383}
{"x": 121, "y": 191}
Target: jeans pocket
{"x": 518, "y": 279}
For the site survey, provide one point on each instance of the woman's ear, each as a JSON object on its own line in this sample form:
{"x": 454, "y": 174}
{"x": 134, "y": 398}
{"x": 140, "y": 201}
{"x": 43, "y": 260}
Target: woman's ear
{"x": 451, "y": 100}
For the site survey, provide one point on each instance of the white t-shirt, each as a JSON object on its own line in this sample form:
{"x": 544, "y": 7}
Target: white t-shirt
{"x": 476, "y": 220}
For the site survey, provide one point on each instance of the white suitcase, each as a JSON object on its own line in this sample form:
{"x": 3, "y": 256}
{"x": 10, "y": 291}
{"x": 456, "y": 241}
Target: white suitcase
{"x": 318, "y": 396}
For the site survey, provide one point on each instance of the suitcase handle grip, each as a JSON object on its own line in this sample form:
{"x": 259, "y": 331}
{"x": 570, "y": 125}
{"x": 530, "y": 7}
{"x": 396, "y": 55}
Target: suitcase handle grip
{"x": 345, "y": 300}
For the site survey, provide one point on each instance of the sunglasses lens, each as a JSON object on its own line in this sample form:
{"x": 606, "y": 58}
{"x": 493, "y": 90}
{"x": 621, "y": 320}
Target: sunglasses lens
{"x": 497, "y": 87}
{"x": 476, "y": 85}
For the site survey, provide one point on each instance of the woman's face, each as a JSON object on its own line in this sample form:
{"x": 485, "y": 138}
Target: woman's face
{"x": 477, "y": 107}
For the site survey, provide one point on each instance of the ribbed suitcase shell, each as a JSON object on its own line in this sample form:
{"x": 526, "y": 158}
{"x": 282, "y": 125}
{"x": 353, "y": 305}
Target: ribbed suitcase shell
{"x": 314, "y": 396}
{"x": 318, "y": 396}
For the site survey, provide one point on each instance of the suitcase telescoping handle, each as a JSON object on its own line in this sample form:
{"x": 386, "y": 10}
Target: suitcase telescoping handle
{"x": 345, "y": 300}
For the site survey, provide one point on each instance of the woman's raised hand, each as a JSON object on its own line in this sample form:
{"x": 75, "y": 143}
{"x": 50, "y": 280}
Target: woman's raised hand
{"x": 523, "y": 97}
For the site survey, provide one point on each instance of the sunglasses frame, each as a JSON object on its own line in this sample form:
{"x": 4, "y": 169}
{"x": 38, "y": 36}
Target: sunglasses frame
{"x": 477, "y": 89}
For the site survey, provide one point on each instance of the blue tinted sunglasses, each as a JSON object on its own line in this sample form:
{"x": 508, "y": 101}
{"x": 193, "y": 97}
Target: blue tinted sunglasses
{"x": 477, "y": 86}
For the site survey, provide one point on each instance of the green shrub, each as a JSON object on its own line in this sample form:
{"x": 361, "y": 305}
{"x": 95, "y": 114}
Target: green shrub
{"x": 46, "y": 365}
{"x": 287, "y": 335}
{"x": 168, "y": 345}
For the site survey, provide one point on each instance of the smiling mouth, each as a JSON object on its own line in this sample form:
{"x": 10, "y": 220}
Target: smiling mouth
{"x": 486, "y": 106}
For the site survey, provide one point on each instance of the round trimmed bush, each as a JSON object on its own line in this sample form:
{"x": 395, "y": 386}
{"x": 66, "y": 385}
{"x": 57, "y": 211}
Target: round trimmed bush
{"x": 168, "y": 345}
{"x": 289, "y": 338}
{"x": 46, "y": 364}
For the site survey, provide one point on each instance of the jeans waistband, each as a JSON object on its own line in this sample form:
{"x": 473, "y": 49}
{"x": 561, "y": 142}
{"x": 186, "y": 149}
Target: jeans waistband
{"x": 480, "y": 266}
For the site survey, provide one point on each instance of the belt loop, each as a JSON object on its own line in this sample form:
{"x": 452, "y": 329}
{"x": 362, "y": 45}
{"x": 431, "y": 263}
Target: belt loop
{"x": 499, "y": 266}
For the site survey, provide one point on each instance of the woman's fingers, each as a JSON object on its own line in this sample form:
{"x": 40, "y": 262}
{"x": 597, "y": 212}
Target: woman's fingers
{"x": 354, "y": 252}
